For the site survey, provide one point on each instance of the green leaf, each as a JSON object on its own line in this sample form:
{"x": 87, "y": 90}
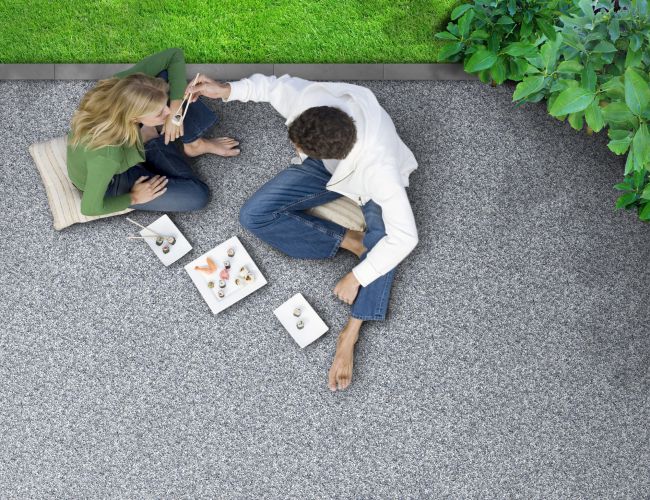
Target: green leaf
{"x": 629, "y": 162}
{"x": 646, "y": 193}
{"x": 498, "y": 71}
{"x": 619, "y": 146}
{"x": 546, "y": 28}
{"x": 571, "y": 100}
{"x": 519, "y": 49}
{"x": 635, "y": 41}
{"x": 618, "y": 112}
{"x": 612, "y": 133}
{"x": 625, "y": 200}
{"x": 588, "y": 77}
{"x": 614, "y": 30}
{"x": 637, "y": 92}
{"x": 528, "y": 86}
{"x": 481, "y": 59}
{"x": 614, "y": 87}
{"x": 479, "y": 35}
{"x": 449, "y": 50}
{"x": 505, "y": 20}
{"x": 512, "y": 7}
{"x": 604, "y": 47}
{"x": 633, "y": 59}
{"x": 594, "y": 116}
{"x": 576, "y": 120}
{"x": 465, "y": 22}
{"x": 623, "y": 186}
{"x": 587, "y": 8}
{"x": 445, "y": 35}
{"x": 571, "y": 66}
{"x": 644, "y": 214}
{"x": 460, "y": 10}
{"x": 641, "y": 146}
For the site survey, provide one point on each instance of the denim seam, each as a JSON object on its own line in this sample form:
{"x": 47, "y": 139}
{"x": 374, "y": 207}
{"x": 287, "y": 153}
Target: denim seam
{"x": 337, "y": 237}
{"x": 302, "y": 200}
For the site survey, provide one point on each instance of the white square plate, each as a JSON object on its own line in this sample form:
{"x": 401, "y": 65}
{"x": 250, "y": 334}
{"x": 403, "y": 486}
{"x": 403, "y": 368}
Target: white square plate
{"x": 314, "y": 326}
{"x": 165, "y": 227}
{"x": 233, "y": 293}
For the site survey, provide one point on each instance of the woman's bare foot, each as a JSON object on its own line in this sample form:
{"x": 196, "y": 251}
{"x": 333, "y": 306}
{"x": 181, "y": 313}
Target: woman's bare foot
{"x": 222, "y": 146}
{"x": 340, "y": 374}
{"x": 353, "y": 241}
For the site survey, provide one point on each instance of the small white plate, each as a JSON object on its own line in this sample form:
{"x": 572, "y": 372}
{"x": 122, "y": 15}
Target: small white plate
{"x": 314, "y": 327}
{"x": 165, "y": 227}
{"x": 233, "y": 293}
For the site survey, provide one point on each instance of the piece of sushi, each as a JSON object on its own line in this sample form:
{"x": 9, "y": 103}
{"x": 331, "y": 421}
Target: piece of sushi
{"x": 165, "y": 249}
{"x": 210, "y": 284}
{"x": 297, "y": 312}
{"x": 300, "y": 324}
{"x": 243, "y": 272}
{"x": 222, "y": 284}
{"x": 231, "y": 252}
{"x": 226, "y": 264}
{"x": 160, "y": 240}
{"x": 171, "y": 240}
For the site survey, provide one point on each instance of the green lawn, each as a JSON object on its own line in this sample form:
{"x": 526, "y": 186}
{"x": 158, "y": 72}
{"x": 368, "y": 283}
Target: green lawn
{"x": 225, "y": 31}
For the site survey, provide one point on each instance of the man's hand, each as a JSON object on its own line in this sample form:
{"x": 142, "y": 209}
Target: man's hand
{"x": 209, "y": 88}
{"x": 171, "y": 131}
{"x": 347, "y": 288}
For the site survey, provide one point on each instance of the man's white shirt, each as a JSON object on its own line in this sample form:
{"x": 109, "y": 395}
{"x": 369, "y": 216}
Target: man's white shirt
{"x": 376, "y": 169}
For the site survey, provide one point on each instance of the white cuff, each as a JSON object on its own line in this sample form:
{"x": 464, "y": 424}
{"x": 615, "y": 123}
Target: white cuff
{"x": 365, "y": 273}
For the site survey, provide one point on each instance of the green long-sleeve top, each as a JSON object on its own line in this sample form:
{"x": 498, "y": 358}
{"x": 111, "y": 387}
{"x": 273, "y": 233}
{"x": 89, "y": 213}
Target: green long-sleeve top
{"x": 91, "y": 170}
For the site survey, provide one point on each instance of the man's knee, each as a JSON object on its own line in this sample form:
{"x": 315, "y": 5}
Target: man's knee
{"x": 252, "y": 215}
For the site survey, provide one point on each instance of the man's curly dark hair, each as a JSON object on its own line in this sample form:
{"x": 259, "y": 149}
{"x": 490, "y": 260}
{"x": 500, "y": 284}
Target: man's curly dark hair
{"x": 323, "y": 132}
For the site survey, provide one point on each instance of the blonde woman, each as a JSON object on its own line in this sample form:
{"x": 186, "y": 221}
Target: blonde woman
{"x": 117, "y": 157}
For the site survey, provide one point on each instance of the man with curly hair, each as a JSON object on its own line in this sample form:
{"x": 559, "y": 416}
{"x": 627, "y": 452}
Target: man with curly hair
{"x": 349, "y": 147}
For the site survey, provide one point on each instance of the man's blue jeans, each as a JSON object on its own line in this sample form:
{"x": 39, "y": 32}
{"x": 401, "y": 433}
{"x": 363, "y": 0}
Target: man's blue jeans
{"x": 185, "y": 191}
{"x": 276, "y": 214}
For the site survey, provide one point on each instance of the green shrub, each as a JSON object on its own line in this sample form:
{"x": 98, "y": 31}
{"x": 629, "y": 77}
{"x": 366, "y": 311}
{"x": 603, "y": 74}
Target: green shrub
{"x": 588, "y": 58}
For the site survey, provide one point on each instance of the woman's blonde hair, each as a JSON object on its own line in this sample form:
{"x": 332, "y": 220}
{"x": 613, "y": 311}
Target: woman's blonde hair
{"x": 108, "y": 112}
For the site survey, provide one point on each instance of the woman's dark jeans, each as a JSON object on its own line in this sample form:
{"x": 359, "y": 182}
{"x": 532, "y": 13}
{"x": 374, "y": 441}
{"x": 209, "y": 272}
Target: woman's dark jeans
{"x": 185, "y": 191}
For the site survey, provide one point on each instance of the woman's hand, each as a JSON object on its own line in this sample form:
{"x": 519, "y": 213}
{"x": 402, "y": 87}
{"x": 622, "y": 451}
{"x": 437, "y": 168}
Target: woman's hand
{"x": 347, "y": 288}
{"x": 145, "y": 190}
{"x": 209, "y": 88}
{"x": 172, "y": 131}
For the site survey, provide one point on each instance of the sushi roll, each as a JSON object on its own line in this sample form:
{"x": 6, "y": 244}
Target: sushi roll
{"x": 160, "y": 240}
{"x": 240, "y": 282}
{"x": 249, "y": 278}
{"x": 300, "y": 324}
{"x": 243, "y": 272}
{"x": 222, "y": 284}
{"x": 210, "y": 284}
{"x": 177, "y": 120}
{"x": 171, "y": 240}
{"x": 231, "y": 252}
{"x": 226, "y": 264}
{"x": 165, "y": 249}
{"x": 221, "y": 294}
{"x": 297, "y": 312}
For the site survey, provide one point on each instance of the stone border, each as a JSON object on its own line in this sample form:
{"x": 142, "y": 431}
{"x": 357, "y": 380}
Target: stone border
{"x": 236, "y": 71}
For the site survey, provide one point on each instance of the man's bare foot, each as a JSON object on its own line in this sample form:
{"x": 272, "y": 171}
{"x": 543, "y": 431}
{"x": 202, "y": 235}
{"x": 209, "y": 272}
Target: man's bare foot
{"x": 340, "y": 374}
{"x": 222, "y": 146}
{"x": 353, "y": 241}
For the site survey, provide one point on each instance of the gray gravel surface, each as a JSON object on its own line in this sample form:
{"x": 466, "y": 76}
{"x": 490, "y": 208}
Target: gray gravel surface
{"x": 514, "y": 362}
